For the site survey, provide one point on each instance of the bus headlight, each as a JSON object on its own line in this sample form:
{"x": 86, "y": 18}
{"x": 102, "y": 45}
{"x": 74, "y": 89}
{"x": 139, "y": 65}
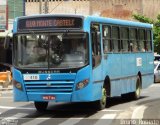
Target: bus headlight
{"x": 17, "y": 85}
{"x": 82, "y": 84}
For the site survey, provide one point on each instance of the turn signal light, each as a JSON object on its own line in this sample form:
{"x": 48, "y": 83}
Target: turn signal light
{"x": 17, "y": 85}
{"x": 82, "y": 84}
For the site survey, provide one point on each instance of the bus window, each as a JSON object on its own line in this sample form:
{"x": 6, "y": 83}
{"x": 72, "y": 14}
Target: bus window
{"x": 133, "y": 40}
{"x": 115, "y": 39}
{"x": 107, "y": 39}
{"x": 148, "y": 41}
{"x": 141, "y": 42}
{"x": 96, "y": 46}
{"x": 124, "y": 37}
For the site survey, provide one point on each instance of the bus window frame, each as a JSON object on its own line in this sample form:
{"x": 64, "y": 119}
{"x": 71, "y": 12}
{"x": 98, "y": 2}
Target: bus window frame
{"x": 149, "y": 41}
{"x": 118, "y": 40}
{"x": 123, "y": 39}
{"x": 96, "y": 57}
{"x": 107, "y": 38}
{"x": 48, "y": 68}
{"x": 139, "y": 39}
{"x": 136, "y": 39}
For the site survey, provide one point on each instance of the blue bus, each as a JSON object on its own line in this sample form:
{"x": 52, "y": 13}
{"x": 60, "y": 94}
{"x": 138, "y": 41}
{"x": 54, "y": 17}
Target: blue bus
{"x": 75, "y": 58}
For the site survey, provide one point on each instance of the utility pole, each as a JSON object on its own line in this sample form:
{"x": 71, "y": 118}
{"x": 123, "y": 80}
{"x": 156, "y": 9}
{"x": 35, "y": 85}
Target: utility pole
{"x": 90, "y": 7}
{"x": 40, "y": 6}
{"x": 46, "y": 6}
{"x": 43, "y": 6}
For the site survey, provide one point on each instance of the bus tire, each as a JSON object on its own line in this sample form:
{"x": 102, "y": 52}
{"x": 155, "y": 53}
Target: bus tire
{"x": 101, "y": 104}
{"x": 136, "y": 95}
{"x": 41, "y": 106}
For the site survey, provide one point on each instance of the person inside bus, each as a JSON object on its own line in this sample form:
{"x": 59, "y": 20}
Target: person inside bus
{"x": 35, "y": 53}
{"x": 134, "y": 47}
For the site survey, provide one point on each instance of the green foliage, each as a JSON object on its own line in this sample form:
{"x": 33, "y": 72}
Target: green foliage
{"x": 156, "y": 29}
{"x": 143, "y": 18}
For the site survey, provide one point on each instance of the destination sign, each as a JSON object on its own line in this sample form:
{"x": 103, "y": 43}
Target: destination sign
{"x": 39, "y": 23}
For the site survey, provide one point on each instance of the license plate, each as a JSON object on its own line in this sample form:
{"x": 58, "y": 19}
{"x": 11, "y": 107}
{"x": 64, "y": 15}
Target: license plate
{"x": 31, "y": 77}
{"x": 49, "y": 97}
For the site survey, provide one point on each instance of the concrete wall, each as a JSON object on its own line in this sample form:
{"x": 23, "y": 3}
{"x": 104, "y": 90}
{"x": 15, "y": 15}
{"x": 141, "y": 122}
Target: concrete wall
{"x": 123, "y": 9}
{"x": 126, "y": 8}
{"x": 59, "y": 7}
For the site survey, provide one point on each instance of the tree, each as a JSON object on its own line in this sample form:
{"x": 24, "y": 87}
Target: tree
{"x": 156, "y": 29}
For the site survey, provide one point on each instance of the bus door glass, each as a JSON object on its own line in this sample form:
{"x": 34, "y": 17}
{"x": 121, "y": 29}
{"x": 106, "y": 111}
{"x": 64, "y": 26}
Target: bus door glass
{"x": 96, "y": 46}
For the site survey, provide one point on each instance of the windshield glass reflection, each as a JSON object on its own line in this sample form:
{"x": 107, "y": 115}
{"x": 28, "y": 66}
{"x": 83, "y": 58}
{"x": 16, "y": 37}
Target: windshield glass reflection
{"x": 51, "y": 50}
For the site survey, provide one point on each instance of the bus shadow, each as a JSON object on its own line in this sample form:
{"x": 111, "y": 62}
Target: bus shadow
{"x": 64, "y": 110}
{"x": 68, "y": 110}
{"x": 121, "y": 100}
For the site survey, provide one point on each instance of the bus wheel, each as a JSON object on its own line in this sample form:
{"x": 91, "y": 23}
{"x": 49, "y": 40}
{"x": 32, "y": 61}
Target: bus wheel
{"x": 136, "y": 94}
{"x": 41, "y": 106}
{"x": 101, "y": 104}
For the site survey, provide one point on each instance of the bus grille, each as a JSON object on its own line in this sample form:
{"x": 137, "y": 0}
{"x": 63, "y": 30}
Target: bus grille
{"x": 50, "y": 86}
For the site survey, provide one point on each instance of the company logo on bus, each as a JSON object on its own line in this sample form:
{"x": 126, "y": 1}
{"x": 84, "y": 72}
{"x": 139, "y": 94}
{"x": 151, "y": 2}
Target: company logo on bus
{"x": 48, "y": 72}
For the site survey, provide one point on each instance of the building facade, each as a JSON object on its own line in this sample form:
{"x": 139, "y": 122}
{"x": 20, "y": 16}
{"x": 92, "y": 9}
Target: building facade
{"x": 123, "y": 9}
{"x": 15, "y": 9}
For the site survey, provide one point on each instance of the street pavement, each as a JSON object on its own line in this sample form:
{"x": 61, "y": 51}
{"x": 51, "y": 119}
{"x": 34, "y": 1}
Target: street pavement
{"x": 119, "y": 111}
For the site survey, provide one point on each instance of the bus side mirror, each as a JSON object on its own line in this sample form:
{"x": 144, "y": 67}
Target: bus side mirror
{"x": 6, "y": 42}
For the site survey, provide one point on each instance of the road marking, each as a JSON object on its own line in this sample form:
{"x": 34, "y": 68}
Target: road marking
{"x": 110, "y": 110}
{"x": 9, "y": 97}
{"x": 71, "y": 121}
{"x": 6, "y": 92}
{"x": 106, "y": 119}
{"x": 108, "y": 116}
{"x": 36, "y": 121}
{"x": 138, "y": 112}
{"x": 8, "y": 107}
{"x": 18, "y": 115}
{"x": 13, "y": 118}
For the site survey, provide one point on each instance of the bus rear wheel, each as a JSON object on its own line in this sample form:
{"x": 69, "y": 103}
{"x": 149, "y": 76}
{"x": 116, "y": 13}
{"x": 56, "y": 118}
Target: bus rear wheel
{"x": 41, "y": 106}
{"x": 136, "y": 94}
{"x": 101, "y": 104}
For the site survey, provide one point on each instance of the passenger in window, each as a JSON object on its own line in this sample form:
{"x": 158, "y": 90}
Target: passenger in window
{"x": 106, "y": 46}
{"x": 80, "y": 47}
{"x": 133, "y": 47}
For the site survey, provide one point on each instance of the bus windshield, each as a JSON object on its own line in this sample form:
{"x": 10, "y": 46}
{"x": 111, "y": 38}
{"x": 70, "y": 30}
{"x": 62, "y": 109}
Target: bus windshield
{"x": 51, "y": 50}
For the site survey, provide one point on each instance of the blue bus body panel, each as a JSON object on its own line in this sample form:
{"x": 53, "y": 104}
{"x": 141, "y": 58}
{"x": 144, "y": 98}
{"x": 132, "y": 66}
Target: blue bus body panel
{"x": 63, "y": 86}
{"x": 18, "y": 94}
{"x": 122, "y": 74}
{"x": 121, "y": 68}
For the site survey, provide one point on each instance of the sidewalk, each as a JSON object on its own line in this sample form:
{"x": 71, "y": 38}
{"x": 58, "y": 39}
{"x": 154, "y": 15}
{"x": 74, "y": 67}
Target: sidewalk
{"x": 6, "y": 89}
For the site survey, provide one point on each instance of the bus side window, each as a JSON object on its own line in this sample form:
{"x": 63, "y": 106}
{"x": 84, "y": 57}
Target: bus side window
{"x": 106, "y": 39}
{"x": 124, "y": 39}
{"x": 96, "y": 45}
{"x": 148, "y": 41}
{"x": 133, "y": 40}
{"x": 115, "y": 39}
{"x": 141, "y": 42}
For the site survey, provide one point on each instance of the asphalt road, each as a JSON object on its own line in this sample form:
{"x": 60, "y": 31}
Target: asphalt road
{"x": 119, "y": 111}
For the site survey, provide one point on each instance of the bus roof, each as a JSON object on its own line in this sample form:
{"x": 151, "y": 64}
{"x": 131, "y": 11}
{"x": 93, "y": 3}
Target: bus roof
{"x": 95, "y": 19}
{"x": 118, "y": 21}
